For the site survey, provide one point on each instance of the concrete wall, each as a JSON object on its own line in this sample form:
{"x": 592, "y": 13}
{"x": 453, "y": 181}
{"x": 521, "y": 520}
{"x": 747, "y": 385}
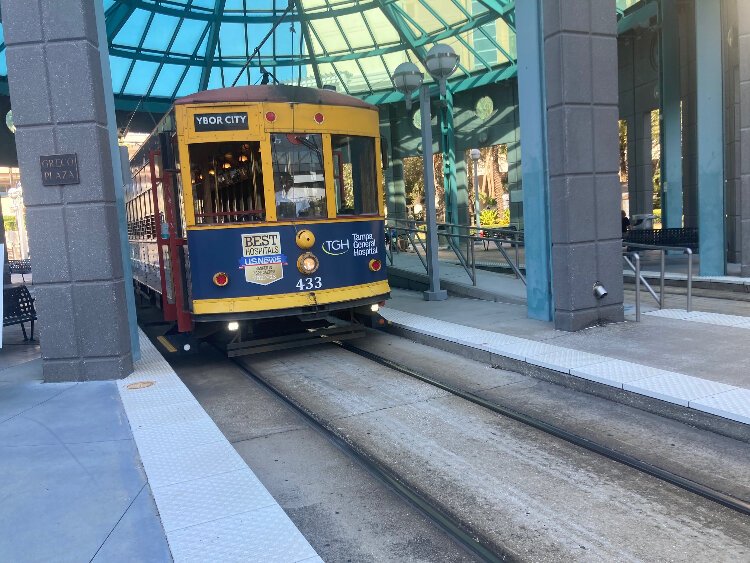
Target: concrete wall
{"x": 743, "y": 159}
{"x": 580, "y": 62}
{"x": 638, "y": 79}
{"x": 58, "y": 95}
{"x": 732, "y": 155}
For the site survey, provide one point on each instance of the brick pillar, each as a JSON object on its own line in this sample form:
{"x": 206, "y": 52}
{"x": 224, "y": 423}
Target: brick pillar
{"x": 743, "y": 19}
{"x": 59, "y": 107}
{"x": 580, "y": 59}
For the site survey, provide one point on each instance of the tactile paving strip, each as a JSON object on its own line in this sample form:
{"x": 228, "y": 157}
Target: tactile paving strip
{"x": 709, "y": 396}
{"x": 213, "y": 507}
{"x": 734, "y": 404}
{"x": 252, "y": 536}
{"x": 719, "y": 319}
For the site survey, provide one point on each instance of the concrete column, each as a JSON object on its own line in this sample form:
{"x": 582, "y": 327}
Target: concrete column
{"x": 642, "y": 195}
{"x": 6, "y": 269}
{"x": 60, "y": 107}
{"x": 710, "y": 126}
{"x": 743, "y": 9}
{"x": 671, "y": 154}
{"x": 581, "y": 106}
{"x": 462, "y": 168}
{"x": 515, "y": 185}
{"x": 448, "y": 148}
{"x": 395, "y": 187}
{"x": 688, "y": 79}
{"x": 536, "y": 193}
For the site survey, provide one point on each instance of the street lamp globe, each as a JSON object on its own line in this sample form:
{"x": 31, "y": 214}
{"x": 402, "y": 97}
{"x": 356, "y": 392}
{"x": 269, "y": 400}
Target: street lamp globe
{"x": 475, "y": 154}
{"x": 407, "y": 78}
{"x": 441, "y": 61}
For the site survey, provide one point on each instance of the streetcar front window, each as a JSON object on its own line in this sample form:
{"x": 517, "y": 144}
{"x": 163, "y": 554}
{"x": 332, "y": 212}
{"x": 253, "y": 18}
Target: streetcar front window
{"x": 227, "y": 180}
{"x": 354, "y": 175}
{"x": 299, "y": 176}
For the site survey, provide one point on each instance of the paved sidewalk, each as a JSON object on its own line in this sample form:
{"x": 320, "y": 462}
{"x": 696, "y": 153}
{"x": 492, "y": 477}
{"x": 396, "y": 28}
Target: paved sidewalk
{"x": 682, "y": 361}
{"x": 212, "y": 505}
{"x": 72, "y": 487}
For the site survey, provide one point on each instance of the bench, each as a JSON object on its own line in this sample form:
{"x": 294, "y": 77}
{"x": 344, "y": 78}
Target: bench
{"x": 502, "y": 233}
{"x": 20, "y": 267}
{"x": 18, "y": 308}
{"x": 684, "y": 237}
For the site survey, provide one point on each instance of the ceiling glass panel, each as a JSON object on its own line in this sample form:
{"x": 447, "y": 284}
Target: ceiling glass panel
{"x": 160, "y": 48}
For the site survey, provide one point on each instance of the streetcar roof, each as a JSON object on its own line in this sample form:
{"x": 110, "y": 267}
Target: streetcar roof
{"x": 274, "y": 93}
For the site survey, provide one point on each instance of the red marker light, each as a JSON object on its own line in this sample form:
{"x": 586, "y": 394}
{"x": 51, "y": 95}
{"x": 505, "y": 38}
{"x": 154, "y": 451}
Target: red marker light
{"x": 319, "y": 118}
{"x": 221, "y": 279}
{"x": 270, "y": 116}
{"x": 375, "y": 265}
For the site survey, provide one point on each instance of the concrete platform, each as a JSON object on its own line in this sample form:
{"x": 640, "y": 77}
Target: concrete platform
{"x": 675, "y": 360}
{"x": 133, "y": 470}
{"x": 211, "y": 504}
{"x": 71, "y": 481}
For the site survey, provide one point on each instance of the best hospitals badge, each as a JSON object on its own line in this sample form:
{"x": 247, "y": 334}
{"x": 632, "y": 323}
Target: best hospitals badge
{"x": 262, "y": 259}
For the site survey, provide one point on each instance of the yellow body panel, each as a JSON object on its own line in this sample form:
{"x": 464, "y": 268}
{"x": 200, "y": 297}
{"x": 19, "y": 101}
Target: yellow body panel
{"x": 290, "y": 117}
{"x": 289, "y": 300}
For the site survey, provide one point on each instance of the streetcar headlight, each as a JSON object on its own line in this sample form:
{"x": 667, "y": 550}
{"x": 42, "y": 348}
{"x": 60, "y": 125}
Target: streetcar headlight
{"x": 374, "y": 307}
{"x": 233, "y": 326}
{"x": 308, "y": 263}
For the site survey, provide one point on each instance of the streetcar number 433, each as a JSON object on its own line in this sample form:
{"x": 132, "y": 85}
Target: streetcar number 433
{"x": 309, "y": 283}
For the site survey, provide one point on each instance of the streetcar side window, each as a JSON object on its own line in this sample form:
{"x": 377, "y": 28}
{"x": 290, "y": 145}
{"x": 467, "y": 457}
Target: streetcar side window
{"x": 299, "y": 176}
{"x": 227, "y": 182}
{"x": 354, "y": 175}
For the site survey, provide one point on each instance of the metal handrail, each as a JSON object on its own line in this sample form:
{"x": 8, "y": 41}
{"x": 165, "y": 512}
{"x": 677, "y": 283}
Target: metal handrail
{"x": 639, "y": 279}
{"x": 468, "y": 262}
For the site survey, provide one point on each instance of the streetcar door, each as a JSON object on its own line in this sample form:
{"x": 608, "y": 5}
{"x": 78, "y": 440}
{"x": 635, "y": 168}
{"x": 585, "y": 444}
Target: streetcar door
{"x": 169, "y": 234}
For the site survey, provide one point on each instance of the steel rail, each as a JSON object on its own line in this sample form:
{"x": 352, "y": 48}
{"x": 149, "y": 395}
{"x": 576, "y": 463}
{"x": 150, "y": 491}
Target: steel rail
{"x": 704, "y": 491}
{"x": 449, "y": 524}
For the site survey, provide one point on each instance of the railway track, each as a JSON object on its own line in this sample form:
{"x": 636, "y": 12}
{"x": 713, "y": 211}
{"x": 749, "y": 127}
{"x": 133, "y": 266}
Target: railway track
{"x": 463, "y": 534}
{"x": 719, "y": 497}
{"x": 450, "y": 525}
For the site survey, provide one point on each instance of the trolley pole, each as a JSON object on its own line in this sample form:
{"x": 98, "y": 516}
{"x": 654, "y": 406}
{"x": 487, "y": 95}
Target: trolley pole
{"x": 434, "y": 293}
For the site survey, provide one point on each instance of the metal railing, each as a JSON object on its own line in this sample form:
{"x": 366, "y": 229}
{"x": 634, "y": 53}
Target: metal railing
{"x": 405, "y": 234}
{"x": 635, "y": 265}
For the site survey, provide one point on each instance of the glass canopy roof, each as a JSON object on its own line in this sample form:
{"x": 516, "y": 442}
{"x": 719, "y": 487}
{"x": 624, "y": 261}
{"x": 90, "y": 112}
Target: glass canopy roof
{"x": 163, "y": 49}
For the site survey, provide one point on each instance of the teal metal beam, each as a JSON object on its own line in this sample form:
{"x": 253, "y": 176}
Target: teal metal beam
{"x": 403, "y": 30}
{"x": 349, "y": 48}
{"x": 169, "y": 47}
{"x": 333, "y": 66}
{"x": 506, "y": 10}
{"x": 305, "y": 25}
{"x": 710, "y": 134}
{"x": 116, "y": 17}
{"x": 640, "y": 17}
{"x": 671, "y": 114}
{"x": 194, "y": 56}
{"x": 534, "y": 168}
{"x": 231, "y": 16}
{"x": 448, "y": 146}
{"x": 135, "y": 59}
{"x": 130, "y": 52}
{"x": 474, "y": 81}
{"x": 213, "y": 39}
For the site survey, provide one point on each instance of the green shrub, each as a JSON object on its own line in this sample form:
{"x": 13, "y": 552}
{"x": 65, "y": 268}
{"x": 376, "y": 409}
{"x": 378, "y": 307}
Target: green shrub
{"x": 488, "y": 217}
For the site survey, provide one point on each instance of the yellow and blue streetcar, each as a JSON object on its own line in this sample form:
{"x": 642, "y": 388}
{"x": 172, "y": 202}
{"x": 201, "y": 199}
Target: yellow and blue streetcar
{"x": 260, "y": 206}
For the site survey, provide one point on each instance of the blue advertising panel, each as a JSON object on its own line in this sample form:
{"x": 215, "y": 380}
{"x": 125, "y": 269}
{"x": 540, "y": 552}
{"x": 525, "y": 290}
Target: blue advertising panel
{"x": 263, "y": 260}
